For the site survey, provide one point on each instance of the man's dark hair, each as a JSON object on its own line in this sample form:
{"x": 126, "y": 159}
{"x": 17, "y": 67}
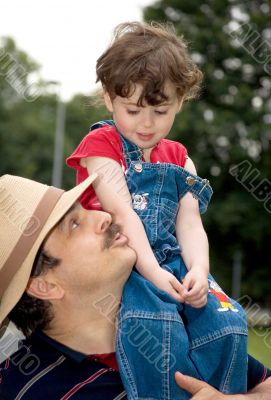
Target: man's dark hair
{"x": 31, "y": 313}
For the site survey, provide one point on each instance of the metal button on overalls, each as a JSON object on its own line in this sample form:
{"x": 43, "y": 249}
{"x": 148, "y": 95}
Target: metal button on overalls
{"x": 190, "y": 180}
{"x": 138, "y": 167}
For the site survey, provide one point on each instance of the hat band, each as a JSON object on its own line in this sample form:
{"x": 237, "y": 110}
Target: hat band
{"x": 27, "y": 240}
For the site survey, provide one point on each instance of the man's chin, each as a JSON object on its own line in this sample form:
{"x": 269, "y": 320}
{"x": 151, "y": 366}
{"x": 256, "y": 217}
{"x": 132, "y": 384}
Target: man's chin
{"x": 130, "y": 259}
{"x": 133, "y": 257}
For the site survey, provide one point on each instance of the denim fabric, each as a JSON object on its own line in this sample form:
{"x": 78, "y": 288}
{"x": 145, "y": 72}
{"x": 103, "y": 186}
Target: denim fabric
{"x": 152, "y": 343}
{"x": 158, "y": 336}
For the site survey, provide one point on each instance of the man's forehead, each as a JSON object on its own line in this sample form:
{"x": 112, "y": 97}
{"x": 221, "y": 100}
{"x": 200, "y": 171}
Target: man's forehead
{"x": 74, "y": 207}
{"x": 55, "y": 237}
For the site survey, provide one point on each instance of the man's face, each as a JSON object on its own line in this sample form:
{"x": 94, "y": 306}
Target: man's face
{"x": 95, "y": 257}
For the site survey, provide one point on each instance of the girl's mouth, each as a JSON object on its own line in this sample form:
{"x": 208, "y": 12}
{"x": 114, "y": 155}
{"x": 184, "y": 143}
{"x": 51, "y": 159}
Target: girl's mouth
{"x": 145, "y": 137}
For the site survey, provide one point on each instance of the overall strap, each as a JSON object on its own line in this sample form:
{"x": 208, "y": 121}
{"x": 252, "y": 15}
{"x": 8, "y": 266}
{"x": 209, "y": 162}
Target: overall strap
{"x": 100, "y": 124}
{"x": 131, "y": 151}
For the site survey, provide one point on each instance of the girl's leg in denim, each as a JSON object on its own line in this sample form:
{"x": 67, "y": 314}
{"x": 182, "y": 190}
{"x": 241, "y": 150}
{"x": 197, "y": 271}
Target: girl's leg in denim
{"x": 152, "y": 343}
{"x": 217, "y": 335}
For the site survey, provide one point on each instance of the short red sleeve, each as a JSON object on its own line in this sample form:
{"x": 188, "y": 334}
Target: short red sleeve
{"x": 170, "y": 152}
{"x": 103, "y": 142}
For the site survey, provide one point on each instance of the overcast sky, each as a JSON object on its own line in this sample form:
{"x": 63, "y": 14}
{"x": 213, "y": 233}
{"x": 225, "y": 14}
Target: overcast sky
{"x": 66, "y": 37}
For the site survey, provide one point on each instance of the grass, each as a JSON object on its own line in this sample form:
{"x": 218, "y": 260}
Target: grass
{"x": 259, "y": 345}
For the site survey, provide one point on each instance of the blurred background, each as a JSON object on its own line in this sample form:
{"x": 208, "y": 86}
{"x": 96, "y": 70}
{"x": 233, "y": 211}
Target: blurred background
{"x": 47, "y": 85}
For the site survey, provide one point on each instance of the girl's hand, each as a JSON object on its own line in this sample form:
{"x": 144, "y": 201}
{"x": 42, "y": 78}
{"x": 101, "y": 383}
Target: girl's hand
{"x": 167, "y": 282}
{"x": 196, "y": 283}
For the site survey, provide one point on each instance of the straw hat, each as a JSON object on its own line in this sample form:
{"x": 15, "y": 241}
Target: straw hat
{"x": 28, "y": 211}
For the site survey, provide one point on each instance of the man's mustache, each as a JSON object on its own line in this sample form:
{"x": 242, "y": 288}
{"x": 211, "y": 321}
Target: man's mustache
{"x": 111, "y": 232}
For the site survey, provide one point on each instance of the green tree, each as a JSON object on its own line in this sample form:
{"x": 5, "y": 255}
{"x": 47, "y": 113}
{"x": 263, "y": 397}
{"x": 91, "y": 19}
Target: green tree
{"x": 228, "y": 125}
{"x": 28, "y": 119}
{"x": 27, "y": 116}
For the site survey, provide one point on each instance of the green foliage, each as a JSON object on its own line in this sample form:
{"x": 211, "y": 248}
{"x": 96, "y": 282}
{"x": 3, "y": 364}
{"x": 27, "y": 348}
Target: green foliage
{"x": 259, "y": 345}
{"x": 26, "y": 119}
{"x": 28, "y": 124}
{"x": 230, "y": 123}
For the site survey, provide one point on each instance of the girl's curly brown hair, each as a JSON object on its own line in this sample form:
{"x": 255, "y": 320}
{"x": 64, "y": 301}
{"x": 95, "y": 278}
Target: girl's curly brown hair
{"x": 149, "y": 54}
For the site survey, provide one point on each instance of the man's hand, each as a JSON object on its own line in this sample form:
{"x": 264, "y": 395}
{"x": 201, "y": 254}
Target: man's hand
{"x": 201, "y": 390}
{"x": 196, "y": 282}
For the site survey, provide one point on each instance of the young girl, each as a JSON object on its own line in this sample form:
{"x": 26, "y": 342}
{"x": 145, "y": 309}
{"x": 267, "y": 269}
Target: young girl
{"x": 146, "y": 75}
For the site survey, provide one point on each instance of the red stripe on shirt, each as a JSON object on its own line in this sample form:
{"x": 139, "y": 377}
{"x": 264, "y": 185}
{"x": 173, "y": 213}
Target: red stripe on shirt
{"x": 81, "y": 384}
{"x": 264, "y": 375}
{"x": 5, "y": 367}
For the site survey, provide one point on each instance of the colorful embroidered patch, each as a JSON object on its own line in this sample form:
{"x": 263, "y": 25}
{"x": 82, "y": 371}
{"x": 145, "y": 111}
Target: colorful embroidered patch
{"x": 140, "y": 201}
{"x": 223, "y": 299}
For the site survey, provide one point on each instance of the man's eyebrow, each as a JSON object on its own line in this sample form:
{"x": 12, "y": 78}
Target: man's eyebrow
{"x": 61, "y": 223}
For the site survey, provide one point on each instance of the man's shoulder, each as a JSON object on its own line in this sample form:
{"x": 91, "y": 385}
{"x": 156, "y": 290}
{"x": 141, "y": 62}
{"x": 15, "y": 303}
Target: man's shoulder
{"x": 20, "y": 368}
{"x": 257, "y": 372}
{"x": 43, "y": 368}
{"x": 13, "y": 378}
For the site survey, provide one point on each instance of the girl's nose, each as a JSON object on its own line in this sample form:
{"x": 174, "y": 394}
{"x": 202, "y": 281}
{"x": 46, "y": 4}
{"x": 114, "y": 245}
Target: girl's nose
{"x": 147, "y": 119}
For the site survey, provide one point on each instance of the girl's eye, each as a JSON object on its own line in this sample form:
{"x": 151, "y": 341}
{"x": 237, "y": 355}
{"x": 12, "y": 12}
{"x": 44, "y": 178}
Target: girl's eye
{"x": 132, "y": 112}
{"x": 160, "y": 112}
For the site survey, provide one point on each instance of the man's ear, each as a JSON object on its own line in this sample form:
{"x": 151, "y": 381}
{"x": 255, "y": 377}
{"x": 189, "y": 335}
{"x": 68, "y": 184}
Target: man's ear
{"x": 108, "y": 101}
{"x": 43, "y": 289}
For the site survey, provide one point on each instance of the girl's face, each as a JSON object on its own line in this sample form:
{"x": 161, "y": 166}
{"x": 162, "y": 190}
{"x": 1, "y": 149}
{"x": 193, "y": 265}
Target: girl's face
{"x": 144, "y": 126}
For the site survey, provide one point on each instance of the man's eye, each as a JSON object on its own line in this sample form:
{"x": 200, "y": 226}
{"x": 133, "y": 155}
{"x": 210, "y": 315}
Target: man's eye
{"x": 74, "y": 224}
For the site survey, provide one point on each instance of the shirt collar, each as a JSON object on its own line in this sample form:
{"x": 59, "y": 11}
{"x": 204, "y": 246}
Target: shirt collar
{"x": 75, "y": 355}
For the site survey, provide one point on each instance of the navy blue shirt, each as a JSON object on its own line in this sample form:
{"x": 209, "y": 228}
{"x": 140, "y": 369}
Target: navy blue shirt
{"x": 45, "y": 369}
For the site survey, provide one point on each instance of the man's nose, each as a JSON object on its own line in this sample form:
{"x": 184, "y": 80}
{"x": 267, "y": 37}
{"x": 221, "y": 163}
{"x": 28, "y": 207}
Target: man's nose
{"x": 104, "y": 220}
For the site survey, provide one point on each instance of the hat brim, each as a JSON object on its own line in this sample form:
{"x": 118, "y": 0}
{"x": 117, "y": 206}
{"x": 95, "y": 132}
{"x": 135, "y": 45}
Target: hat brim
{"x": 20, "y": 280}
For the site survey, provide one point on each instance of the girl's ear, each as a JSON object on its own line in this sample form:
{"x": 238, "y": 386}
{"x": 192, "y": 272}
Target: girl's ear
{"x": 180, "y": 103}
{"x": 108, "y": 101}
{"x": 43, "y": 289}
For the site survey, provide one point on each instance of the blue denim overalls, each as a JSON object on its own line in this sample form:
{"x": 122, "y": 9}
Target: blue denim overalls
{"x": 157, "y": 335}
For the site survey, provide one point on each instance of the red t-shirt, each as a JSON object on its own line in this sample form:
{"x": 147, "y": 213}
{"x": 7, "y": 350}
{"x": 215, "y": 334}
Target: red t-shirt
{"x": 106, "y": 142}
{"x": 109, "y": 360}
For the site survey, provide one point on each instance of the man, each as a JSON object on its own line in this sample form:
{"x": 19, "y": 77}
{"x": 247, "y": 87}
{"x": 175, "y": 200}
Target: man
{"x": 62, "y": 273}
